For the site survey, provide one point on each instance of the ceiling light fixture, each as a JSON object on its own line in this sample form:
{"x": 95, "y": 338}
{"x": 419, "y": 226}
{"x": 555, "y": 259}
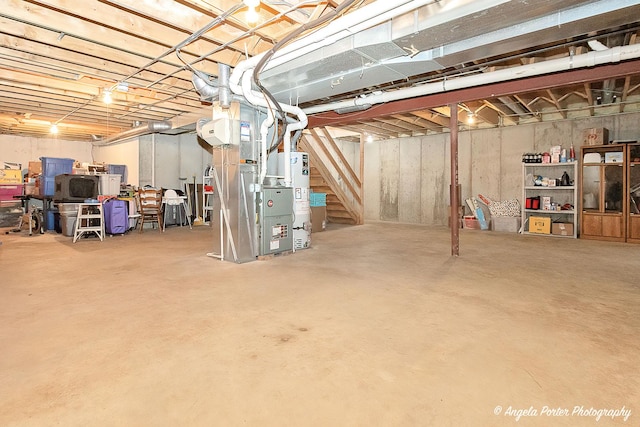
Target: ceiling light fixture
{"x": 53, "y": 129}
{"x": 106, "y": 98}
{"x": 471, "y": 118}
{"x": 252, "y": 15}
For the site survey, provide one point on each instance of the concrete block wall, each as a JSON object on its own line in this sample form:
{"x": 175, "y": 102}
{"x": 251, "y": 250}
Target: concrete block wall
{"x": 407, "y": 180}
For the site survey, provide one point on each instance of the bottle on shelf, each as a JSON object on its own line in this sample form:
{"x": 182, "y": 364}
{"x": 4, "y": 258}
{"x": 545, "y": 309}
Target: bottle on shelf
{"x": 572, "y": 154}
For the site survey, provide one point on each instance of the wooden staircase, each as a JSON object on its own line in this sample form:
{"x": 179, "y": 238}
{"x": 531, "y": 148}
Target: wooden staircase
{"x": 336, "y": 212}
{"x": 331, "y": 173}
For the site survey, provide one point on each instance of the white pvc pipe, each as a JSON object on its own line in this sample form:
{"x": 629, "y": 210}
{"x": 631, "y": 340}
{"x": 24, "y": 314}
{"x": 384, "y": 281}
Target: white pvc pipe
{"x": 590, "y": 59}
{"x": 257, "y": 98}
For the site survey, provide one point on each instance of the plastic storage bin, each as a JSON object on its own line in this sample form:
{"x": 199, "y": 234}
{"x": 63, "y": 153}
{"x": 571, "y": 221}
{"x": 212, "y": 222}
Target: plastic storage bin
{"x": 119, "y": 170}
{"x": 52, "y": 166}
{"x": 68, "y": 223}
{"x": 7, "y": 191}
{"x": 51, "y": 219}
{"x": 47, "y": 185}
{"x": 68, "y": 215}
{"x": 109, "y": 185}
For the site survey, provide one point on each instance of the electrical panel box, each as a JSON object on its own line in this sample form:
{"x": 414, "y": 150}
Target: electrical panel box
{"x": 276, "y": 214}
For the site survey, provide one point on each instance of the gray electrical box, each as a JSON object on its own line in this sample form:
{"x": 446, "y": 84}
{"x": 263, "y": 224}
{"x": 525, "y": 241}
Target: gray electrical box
{"x": 276, "y": 214}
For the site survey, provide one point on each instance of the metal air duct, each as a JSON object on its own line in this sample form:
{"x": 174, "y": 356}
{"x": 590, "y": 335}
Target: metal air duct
{"x": 150, "y": 127}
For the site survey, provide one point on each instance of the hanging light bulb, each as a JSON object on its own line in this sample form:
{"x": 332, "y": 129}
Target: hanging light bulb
{"x": 53, "y": 129}
{"x": 251, "y": 4}
{"x": 252, "y": 17}
{"x": 107, "y": 97}
{"x": 471, "y": 118}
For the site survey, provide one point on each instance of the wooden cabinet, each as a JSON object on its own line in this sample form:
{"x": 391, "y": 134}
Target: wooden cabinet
{"x": 633, "y": 193}
{"x": 602, "y": 192}
{"x": 610, "y": 192}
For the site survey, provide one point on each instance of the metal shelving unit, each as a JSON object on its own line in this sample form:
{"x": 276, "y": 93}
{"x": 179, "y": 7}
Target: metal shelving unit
{"x": 207, "y": 196}
{"x": 559, "y": 194}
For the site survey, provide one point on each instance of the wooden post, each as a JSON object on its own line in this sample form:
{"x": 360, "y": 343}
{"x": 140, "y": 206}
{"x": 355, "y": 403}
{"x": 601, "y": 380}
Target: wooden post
{"x": 455, "y": 203}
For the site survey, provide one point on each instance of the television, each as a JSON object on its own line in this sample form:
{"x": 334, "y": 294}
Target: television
{"x": 75, "y": 188}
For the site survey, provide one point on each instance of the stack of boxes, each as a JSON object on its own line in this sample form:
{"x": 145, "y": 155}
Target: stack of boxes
{"x": 10, "y": 182}
{"x": 318, "y": 203}
{"x": 10, "y": 185}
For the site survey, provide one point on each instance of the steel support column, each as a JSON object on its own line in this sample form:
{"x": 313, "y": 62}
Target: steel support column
{"x": 455, "y": 203}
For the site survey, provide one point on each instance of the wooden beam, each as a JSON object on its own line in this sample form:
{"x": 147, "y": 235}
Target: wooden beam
{"x": 554, "y": 100}
{"x": 589, "y": 95}
{"x": 16, "y": 31}
{"x": 102, "y": 37}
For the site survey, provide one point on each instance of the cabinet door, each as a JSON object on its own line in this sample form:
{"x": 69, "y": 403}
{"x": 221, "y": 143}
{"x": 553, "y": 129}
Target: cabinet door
{"x": 614, "y": 190}
{"x": 612, "y": 226}
{"x": 591, "y": 225}
{"x": 634, "y": 188}
{"x": 634, "y": 227}
{"x": 591, "y": 187}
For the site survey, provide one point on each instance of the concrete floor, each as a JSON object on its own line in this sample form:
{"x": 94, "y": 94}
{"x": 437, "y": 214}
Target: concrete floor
{"x": 375, "y": 325}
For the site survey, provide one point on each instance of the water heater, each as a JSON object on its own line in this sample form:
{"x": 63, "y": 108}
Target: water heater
{"x": 301, "y": 207}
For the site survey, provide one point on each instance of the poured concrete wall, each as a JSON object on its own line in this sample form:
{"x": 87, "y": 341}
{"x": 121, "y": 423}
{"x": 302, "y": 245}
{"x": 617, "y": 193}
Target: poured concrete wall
{"x": 407, "y": 180}
{"x": 20, "y": 149}
{"x": 126, "y": 153}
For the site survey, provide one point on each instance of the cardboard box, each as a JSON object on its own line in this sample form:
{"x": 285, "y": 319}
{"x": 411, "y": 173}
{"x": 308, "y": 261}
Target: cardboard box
{"x": 471, "y": 222}
{"x": 505, "y": 224}
{"x": 35, "y": 169}
{"x": 10, "y": 176}
{"x": 595, "y": 136}
{"x": 539, "y": 225}
{"x": 318, "y": 218}
{"x": 562, "y": 228}
{"x": 613, "y": 157}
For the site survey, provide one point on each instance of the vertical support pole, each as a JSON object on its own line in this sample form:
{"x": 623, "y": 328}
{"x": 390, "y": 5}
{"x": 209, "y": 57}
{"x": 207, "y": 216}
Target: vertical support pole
{"x": 455, "y": 203}
{"x": 363, "y": 140}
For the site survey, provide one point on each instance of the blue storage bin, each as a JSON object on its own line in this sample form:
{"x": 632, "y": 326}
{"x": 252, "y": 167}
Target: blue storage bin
{"x": 51, "y": 220}
{"x": 47, "y": 186}
{"x": 52, "y": 166}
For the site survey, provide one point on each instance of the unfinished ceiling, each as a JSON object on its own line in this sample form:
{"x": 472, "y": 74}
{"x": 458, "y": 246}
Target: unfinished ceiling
{"x": 58, "y": 59}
